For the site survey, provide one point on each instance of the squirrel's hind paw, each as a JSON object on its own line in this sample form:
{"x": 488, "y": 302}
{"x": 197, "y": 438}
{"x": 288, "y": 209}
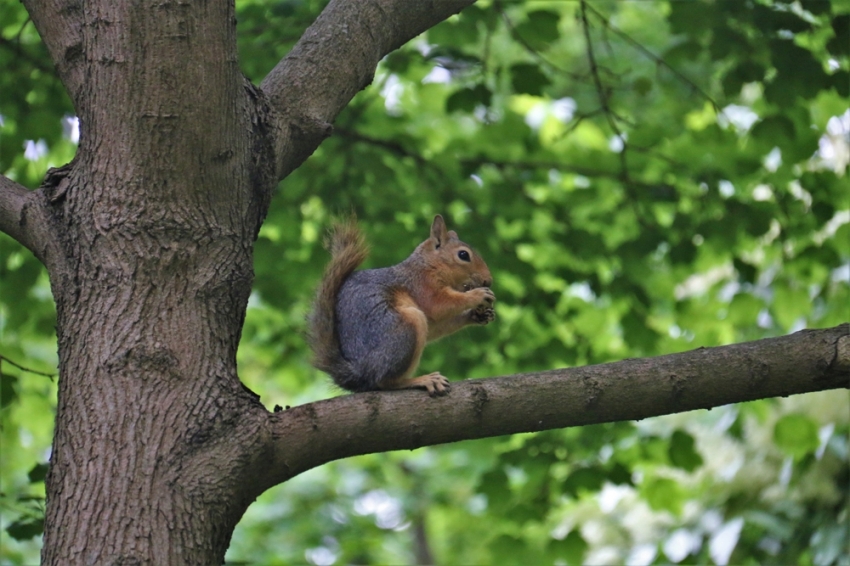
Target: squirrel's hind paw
{"x": 435, "y": 383}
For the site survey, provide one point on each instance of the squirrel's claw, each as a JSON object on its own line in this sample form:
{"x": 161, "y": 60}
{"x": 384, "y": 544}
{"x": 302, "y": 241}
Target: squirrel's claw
{"x": 482, "y": 315}
{"x": 435, "y": 383}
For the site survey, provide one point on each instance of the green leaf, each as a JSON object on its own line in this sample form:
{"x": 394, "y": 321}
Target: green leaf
{"x": 693, "y": 18}
{"x": 663, "y": 494}
{"x": 454, "y": 31}
{"x": 540, "y": 28}
{"x": 841, "y": 83}
{"x": 774, "y": 130}
{"x": 509, "y": 549}
{"x": 796, "y": 435}
{"x": 398, "y": 61}
{"x": 817, "y": 6}
{"x": 642, "y": 85}
{"x": 840, "y": 44}
{"x": 682, "y": 52}
{"x": 584, "y": 479}
{"x": 745, "y": 308}
{"x": 528, "y": 79}
{"x": 770, "y": 20}
{"x": 8, "y": 389}
{"x": 467, "y": 99}
{"x": 682, "y": 452}
{"x": 38, "y": 473}
{"x": 620, "y": 474}
{"x": 727, "y": 42}
{"x": 799, "y": 73}
{"x": 830, "y": 542}
{"x": 494, "y": 485}
{"x": 26, "y": 529}
{"x": 746, "y": 272}
{"x": 571, "y": 549}
{"x": 637, "y": 333}
{"x": 789, "y": 304}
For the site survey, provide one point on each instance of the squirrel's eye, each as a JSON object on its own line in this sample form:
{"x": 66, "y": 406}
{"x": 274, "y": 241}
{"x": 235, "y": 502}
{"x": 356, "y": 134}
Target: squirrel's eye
{"x": 463, "y": 254}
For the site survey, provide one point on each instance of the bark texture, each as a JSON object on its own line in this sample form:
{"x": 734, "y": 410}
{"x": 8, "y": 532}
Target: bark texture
{"x": 147, "y": 236}
{"x": 153, "y": 223}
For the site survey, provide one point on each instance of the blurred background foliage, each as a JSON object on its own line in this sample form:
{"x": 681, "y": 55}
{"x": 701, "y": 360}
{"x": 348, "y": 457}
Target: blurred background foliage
{"x": 642, "y": 177}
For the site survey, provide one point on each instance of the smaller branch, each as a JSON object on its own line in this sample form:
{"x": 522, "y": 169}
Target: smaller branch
{"x": 15, "y": 47}
{"x": 60, "y": 25}
{"x": 576, "y": 169}
{"x": 394, "y": 147}
{"x": 612, "y": 118}
{"x": 3, "y": 358}
{"x": 13, "y": 199}
{"x": 21, "y": 217}
{"x": 650, "y": 55}
{"x": 335, "y": 58}
{"x": 601, "y": 91}
{"x": 485, "y": 55}
{"x": 401, "y": 151}
{"x": 22, "y": 28}
{"x": 531, "y": 50}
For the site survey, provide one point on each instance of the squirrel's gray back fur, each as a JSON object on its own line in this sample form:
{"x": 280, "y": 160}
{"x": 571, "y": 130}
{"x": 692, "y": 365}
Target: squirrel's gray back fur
{"x": 374, "y": 340}
{"x": 356, "y": 335}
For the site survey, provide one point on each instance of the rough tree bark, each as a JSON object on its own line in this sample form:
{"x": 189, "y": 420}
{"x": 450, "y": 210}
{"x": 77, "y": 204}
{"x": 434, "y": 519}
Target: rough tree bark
{"x": 147, "y": 237}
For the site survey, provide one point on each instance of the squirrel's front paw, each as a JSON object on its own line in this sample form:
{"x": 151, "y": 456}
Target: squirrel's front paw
{"x": 483, "y": 297}
{"x": 484, "y": 315}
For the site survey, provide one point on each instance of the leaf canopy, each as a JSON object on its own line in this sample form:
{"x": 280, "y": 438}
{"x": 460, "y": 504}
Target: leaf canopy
{"x": 642, "y": 178}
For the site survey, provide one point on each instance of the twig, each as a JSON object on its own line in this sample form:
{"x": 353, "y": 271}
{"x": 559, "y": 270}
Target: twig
{"x": 3, "y": 358}
{"x": 21, "y": 31}
{"x": 15, "y": 47}
{"x": 604, "y": 101}
{"x": 393, "y": 147}
{"x": 649, "y": 54}
{"x": 531, "y": 50}
{"x": 570, "y": 168}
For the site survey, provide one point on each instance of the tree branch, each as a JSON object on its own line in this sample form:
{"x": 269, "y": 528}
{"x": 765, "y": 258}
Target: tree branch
{"x": 335, "y": 59}
{"x": 400, "y": 150}
{"x": 13, "y": 203}
{"x": 60, "y": 25}
{"x": 316, "y": 433}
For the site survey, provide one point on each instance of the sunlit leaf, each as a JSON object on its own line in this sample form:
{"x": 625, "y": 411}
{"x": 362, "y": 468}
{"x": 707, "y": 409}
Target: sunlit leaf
{"x": 796, "y": 435}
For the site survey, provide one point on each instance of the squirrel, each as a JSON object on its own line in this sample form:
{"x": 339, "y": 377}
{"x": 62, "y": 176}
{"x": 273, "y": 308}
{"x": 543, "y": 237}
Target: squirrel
{"x": 367, "y": 328}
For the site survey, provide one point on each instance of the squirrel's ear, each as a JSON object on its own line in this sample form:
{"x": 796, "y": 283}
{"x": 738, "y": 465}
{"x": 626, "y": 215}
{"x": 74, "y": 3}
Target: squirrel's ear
{"x": 438, "y": 230}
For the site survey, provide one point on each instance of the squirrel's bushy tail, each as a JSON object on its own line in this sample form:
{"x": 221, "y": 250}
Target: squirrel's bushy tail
{"x": 348, "y": 250}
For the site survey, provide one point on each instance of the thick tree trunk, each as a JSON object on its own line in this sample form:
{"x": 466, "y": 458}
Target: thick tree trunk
{"x": 147, "y": 236}
{"x": 149, "y": 317}
{"x": 153, "y": 225}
